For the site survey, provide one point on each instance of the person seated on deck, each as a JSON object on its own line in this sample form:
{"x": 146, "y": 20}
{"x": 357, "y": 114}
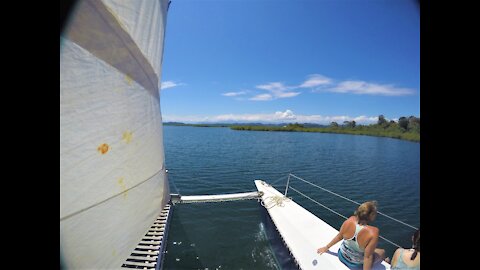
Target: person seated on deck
{"x": 408, "y": 258}
{"x": 359, "y": 246}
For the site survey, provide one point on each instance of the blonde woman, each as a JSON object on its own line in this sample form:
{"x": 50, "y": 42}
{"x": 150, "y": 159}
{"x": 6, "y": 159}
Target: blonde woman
{"x": 359, "y": 246}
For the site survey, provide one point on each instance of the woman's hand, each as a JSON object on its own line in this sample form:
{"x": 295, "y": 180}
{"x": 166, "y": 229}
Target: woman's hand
{"x": 322, "y": 250}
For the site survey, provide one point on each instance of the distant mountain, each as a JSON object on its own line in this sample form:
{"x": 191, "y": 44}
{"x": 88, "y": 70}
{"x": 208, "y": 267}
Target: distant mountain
{"x": 209, "y": 124}
{"x": 174, "y": 124}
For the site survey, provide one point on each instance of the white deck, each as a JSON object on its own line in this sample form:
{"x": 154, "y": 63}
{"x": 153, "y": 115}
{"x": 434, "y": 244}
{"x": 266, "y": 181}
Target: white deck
{"x": 304, "y": 233}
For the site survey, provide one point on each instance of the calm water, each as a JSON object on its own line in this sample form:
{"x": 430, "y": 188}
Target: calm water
{"x": 233, "y": 235}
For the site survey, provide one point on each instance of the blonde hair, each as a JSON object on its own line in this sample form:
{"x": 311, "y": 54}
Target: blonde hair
{"x": 365, "y": 210}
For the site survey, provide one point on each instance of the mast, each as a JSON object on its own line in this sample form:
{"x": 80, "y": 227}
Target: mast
{"x": 112, "y": 168}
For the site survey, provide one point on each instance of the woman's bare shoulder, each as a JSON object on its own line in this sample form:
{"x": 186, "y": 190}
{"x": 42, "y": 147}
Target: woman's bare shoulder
{"x": 348, "y": 224}
{"x": 397, "y": 252}
{"x": 352, "y": 218}
{"x": 372, "y": 231}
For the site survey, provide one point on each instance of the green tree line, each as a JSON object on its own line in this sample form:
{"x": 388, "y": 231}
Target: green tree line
{"x": 407, "y": 128}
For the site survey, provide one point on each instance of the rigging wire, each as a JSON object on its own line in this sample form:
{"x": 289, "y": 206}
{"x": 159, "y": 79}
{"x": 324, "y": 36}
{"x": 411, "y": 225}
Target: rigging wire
{"x": 338, "y": 195}
{"x": 339, "y": 214}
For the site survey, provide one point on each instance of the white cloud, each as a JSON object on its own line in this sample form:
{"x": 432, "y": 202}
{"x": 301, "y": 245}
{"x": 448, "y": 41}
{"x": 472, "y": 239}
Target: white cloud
{"x": 287, "y": 116}
{"x": 276, "y": 89}
{"x": 366, "y": 119}
{"x": 320, "y": 83}
{"x": 234, "y": 94}
{"x": 320, "y": 119}
{"x": 315, "y": 80}
{"x": 262, "y": 97}
{"x": 273, "y": 87}
{"x": 287, "y": 94}
{"x": 170, "y": 84}
{"x": 365, "y": 88}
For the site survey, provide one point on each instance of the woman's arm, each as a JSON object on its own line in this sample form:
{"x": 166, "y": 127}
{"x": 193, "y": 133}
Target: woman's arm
{"x": 335, "y": 240}
{"x": 370, "y": 250}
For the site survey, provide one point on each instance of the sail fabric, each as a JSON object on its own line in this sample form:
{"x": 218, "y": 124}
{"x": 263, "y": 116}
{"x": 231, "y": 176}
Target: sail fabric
{"x": 112, "y": 175}
{"x": 139, "y": 25}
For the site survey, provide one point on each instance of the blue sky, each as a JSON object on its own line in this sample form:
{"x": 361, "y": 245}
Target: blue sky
{"x": 291, "y": 61}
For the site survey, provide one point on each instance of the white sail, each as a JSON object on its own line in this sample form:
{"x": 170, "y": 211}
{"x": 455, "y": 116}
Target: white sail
{"x": 112, "y": 172}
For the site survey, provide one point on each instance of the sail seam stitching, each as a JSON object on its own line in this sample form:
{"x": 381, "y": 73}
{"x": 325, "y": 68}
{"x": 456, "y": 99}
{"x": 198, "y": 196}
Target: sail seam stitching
{"x": 109, "y": 198}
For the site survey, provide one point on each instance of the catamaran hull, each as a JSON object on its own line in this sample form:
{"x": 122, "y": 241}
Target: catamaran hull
{"x": 303, "y": 232}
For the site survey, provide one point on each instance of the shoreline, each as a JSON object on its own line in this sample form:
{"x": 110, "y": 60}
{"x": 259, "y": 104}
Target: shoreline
{"x": 375, "y": 131}
{"x": 406, "y": 136}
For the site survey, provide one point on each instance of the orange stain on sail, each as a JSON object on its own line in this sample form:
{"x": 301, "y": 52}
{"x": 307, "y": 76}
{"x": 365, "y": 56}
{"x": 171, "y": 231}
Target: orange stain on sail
{"x": 123, "y": 187}
{"x": 128, "y": 79}
{"x": 103, "y": 148}
{"x": 127, "y": 136}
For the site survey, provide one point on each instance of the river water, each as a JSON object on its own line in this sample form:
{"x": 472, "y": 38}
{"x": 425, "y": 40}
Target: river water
{"x": 236, "y": 235}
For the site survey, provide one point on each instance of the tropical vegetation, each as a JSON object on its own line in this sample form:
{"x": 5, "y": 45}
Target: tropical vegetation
{"x": 404, "y": 129}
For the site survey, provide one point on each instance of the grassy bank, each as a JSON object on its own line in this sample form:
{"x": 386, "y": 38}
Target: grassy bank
{"x": 391, "y": 131}
{"x": 386, "y": 129}
{"x": 195, "y": 125}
